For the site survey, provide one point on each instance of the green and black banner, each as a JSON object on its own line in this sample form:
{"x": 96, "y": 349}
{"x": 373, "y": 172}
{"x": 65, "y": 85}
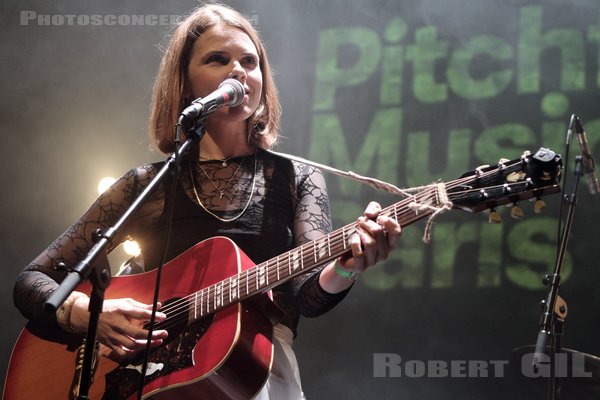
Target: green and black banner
{"x": 408, "y": 92}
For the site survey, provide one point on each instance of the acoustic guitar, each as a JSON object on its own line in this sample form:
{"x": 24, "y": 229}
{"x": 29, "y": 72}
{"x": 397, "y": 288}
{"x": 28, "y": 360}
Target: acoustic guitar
{"x": 219, "y": 344}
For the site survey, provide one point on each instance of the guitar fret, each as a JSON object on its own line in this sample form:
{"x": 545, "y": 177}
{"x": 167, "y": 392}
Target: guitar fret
{"x": 208, "y": 300}
{"x": 320, "y": 249}
{"x": 247, "y": 282}
{"x": 195, "y": 306}
{"x": 256, "y": 277}
{"x": 223, "y": 289}
{"x": 226, "y": 296}
{"x": 277, "y": 266}
{"x": 201, "y": 301}
{"x": 214, "y": 298}
{"x": 227, "y": 290}
{"x": 233, "y": 286}
{"x": 344, "y": 236}
{"x": 220, "y": 294}
{"x": 329, "y": 245}
{"x": 267, "y": 272}
{"x": 295, "y": 260}
{"x": 260, "y": 276}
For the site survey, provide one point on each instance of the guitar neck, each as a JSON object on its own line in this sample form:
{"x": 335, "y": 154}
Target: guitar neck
{"x": 268, "y": 274}
{"x": 530, "y": 176}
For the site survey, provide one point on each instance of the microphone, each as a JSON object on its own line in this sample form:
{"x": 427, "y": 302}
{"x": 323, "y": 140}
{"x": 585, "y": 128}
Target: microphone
{"x": 588, "y": 162}
{"x": 230, "y": 93}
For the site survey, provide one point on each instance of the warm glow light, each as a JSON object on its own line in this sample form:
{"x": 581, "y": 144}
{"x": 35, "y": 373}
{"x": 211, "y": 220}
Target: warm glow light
{"x": 131, "y": 247}
{"x": 105, "y": 183}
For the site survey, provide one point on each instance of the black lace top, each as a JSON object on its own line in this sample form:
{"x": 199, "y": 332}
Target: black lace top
{"x": 282, "y": 203}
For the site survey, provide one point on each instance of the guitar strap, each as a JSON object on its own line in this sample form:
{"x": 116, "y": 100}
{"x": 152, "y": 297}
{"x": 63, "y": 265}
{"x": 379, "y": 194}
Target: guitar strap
{"x": 444, "y": 203}
{"x": 375, "y": 183}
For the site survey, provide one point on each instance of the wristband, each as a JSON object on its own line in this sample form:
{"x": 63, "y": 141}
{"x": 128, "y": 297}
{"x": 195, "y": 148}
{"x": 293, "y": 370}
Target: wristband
{"x": 63, "y": 314}
{"x": 343, "y": 273}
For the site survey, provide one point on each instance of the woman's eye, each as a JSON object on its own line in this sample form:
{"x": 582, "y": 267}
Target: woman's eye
{"x": 216, "y": 58}
{"x": 250, "y": 60}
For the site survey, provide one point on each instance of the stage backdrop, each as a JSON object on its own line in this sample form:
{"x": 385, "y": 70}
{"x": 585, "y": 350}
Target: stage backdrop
{"x": 408, "y": 92}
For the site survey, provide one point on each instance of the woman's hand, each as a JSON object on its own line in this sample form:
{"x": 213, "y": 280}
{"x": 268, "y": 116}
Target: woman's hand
{"x": 120, "y": 326}
{"x": 376, "y": 235}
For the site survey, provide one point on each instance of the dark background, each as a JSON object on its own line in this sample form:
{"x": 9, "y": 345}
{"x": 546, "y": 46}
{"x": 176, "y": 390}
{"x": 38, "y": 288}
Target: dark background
{"x": 74, "y": 108}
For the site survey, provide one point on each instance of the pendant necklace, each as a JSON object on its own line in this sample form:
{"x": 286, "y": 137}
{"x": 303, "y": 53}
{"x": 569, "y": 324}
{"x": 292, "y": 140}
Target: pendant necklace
{"x": 222, "y": 192}
{"x": 224, "y": 164}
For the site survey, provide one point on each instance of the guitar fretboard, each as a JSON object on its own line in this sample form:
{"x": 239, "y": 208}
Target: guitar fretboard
{"x": 484, "y": 188}
{"x": 268, "y": 274}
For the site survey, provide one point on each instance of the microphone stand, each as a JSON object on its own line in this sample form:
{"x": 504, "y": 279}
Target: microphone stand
{"x": 552, "y": 320}
{"x": 97, "y": 270}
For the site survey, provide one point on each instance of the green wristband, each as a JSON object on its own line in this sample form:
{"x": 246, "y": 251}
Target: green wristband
{"x": 343, "y": 273}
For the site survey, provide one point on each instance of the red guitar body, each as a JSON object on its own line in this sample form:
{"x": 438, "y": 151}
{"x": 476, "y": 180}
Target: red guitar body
{"x": 227, "y": 355}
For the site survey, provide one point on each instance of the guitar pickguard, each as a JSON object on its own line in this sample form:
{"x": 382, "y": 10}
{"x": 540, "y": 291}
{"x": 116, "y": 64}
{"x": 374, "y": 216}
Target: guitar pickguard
{"x": 172, "y": 356}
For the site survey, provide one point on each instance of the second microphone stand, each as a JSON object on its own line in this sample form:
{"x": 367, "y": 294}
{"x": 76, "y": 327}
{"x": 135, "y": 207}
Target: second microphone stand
{"x": 554, "y": 307}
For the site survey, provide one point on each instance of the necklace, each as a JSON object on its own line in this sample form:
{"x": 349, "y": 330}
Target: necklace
{"x": 224, "y": 162}
{"x": 215, "y": 215}
{"x": 222, "y": 191}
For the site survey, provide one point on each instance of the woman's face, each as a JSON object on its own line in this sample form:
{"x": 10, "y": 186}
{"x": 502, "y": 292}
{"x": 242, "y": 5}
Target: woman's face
{"x": 224, "y": 52}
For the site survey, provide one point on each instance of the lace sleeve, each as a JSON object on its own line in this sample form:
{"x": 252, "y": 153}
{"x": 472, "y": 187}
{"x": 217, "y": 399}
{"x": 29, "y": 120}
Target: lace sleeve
{"x": 312, "y": 220}
{"x": 35, "y": 284}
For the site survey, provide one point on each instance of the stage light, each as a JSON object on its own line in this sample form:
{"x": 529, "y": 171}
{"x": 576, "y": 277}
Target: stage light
{"x": 105, "y": 183}
{"x": 131, "y": 247}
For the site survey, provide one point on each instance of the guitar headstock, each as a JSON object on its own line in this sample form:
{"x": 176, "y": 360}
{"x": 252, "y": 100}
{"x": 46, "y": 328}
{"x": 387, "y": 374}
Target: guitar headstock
{"x": 508, "y": 182}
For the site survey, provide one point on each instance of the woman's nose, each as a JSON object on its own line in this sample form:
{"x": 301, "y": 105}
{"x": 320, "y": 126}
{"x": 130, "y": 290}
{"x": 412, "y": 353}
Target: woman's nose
{"x": 238, "y": 72}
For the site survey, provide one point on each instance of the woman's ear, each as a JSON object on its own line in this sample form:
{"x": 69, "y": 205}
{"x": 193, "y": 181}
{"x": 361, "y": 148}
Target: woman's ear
{"x": 185, "y": 98}
{"x": 186, "y": 94}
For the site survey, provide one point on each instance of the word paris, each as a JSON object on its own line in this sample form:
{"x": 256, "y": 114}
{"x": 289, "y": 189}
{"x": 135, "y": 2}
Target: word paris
{"x": 566, "y": 365}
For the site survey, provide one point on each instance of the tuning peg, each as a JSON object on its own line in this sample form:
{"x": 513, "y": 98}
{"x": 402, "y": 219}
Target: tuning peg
{"x": 494, "y": 217}
{"x": 479, "y": 170}
{"x": 516, "y": 212}
{"x": 539, "y": 206}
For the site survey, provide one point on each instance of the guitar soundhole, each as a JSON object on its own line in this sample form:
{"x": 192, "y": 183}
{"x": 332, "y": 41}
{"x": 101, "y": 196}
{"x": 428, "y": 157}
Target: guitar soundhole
{"x": 175, "y": 354}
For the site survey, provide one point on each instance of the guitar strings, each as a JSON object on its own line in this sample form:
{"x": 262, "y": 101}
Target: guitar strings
{"x": 178, "y": 310}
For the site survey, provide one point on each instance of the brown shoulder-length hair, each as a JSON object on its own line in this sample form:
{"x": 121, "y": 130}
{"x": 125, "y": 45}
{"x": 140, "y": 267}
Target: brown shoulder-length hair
{"x": 172, "y": 80}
